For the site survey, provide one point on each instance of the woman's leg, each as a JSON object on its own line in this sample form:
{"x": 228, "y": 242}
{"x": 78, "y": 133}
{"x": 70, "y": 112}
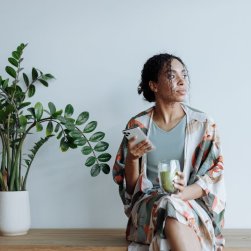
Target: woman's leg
{"x": 180, "y": 236}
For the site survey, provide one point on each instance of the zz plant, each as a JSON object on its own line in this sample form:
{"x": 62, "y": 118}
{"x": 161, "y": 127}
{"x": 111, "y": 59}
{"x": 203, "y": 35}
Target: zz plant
{"x": 19, "y": 118}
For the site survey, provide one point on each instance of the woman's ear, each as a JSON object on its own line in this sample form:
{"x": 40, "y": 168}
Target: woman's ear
{"x": 153, "y": 86}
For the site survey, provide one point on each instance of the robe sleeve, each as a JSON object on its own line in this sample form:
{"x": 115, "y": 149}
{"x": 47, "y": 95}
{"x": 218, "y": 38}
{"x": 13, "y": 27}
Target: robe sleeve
{"x": 210, "y": 175}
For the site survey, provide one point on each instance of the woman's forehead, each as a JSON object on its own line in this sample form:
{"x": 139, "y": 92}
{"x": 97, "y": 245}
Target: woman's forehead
{"x": 176, "y": 66}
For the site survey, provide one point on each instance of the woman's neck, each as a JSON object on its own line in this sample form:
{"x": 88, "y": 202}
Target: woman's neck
{"x": 168, "y": 115}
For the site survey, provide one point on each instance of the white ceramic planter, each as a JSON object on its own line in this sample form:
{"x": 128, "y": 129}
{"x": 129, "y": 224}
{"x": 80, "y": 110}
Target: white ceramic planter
{"x": 14, "y": 213}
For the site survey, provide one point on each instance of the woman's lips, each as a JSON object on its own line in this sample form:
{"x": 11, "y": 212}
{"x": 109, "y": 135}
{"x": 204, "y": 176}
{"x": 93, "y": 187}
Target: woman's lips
{"x": 181, "y": 92}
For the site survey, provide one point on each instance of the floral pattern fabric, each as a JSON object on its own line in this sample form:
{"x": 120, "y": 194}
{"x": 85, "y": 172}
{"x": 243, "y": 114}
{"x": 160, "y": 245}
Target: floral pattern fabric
{"x": 147, "y": 208}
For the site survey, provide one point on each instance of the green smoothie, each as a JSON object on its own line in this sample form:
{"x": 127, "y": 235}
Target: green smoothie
{"x": 167, "y": 181}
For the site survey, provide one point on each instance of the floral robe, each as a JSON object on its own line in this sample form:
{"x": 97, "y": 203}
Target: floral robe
{"x": 147, "y": 207}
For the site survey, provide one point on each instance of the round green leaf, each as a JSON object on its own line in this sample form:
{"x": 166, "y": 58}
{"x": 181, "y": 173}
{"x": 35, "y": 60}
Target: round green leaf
{"x": 101, "y": 146}
{"x": 104, "y": 157}
{"x": 11, "y": 71}
{"x": 97, "y": 136}
{"x": 16, "y": 55}
{"x": 52, "y": 108}
{"x": 90, "y": 161}
{"x": 95, "y": 170}
{"x": 82, "y": 118}
{"x": 75, "y": 134}
{"x": 63, "y": 145}
{"x": 39, "y": 127}
{"x": 105, "y": 168}
{"x": 69, "y": 126}
{"x": 80, "y": 141}
{"x": 49, "y": 128}
{"x": 13, "y": 61}
{"x": 31, "y": 90}
{"x": 26, "y": 79}
{"x": 38, "y": 110}
{"x": 23, "y": 121}
{"x": 90, "y": 127}
{"x": 86, "y": 150}
{"x": 68, "y": 111}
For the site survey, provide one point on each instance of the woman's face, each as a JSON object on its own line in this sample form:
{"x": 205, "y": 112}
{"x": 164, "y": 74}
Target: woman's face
{"x": 172, "y": 83}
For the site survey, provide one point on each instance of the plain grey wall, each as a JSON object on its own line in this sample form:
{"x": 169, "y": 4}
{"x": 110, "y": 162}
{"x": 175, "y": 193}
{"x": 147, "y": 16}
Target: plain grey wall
{"x": 96, "y": 50}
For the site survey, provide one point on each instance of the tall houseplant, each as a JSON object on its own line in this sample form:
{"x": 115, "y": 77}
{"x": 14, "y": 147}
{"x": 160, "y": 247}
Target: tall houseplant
{"x": 19, "y": 118}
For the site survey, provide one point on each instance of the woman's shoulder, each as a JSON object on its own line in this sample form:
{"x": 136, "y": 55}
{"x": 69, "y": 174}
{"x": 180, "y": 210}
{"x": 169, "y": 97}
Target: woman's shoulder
{"x": 141, "y": 119}
{"x": 196, "y": 114}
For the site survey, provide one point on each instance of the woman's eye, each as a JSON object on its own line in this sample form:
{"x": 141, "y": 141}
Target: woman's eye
{"x": 170, "y": 76}
{"x": 185, "y": 76}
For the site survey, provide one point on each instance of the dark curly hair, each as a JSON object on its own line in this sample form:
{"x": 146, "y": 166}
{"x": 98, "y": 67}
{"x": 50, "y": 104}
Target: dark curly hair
{"x": 151, "y": 71}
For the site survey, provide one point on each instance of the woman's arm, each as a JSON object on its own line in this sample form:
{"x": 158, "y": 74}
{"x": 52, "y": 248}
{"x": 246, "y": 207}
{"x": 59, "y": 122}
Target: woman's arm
{"x": 190, "y": 192}
{"x": 135, "y": 152}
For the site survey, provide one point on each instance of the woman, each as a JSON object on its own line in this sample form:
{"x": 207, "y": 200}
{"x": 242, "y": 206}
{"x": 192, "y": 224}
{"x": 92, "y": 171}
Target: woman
{"x": 193, "y": 218}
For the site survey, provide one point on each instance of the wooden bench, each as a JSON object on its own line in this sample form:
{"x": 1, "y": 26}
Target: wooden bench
{"x": 97, "y": 240}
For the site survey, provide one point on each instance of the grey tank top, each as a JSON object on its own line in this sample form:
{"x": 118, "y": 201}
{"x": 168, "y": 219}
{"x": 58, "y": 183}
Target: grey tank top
{"x": 169, "y": 145}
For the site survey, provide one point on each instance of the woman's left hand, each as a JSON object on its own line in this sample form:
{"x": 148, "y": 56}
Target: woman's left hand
{"x": 179, "y": 184}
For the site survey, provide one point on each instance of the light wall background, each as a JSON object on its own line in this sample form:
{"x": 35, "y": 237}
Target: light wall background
{"x": 96, "y": 50}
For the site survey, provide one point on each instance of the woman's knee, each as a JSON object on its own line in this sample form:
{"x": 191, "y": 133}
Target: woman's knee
{"x": 171, "y": 225}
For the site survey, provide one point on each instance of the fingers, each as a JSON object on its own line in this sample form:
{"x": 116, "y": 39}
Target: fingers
{"x": 139, "y": 149}
{"x": 179, "y": 181}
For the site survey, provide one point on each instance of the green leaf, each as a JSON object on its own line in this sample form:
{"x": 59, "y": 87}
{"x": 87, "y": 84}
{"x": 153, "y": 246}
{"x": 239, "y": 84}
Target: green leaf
{"x": 5, "y": 83}
{"x": 82, "y": 118}
{"x": 68, "y": 111}
{"x": 38, "y": 110}
{"x": 34, "y": 74}
{"x": 43, "y": 82}
{"x": 31, "y": 90}
{"x": 48, "y": 76}
{"x": 57, "y": 127}
{"x": 57, "y": 113}
{"x": 61, "y": 119}
{"x": 90, "y": 161}
{"x": 49, "y": 128}
{"x": 16, "y": 55}
{"x": 70, "y": 126}
{"x": 23, "y": 121}
{"x": 80, "y": 141}
{"x": 60, "y": 135}
{"x": 13, "y": 61}
{"x": 24, "y": 105}
{"x": 86, "y": 150}
{"x": 104, "y": 157}
{"x": 32, "y": 111}
{"x": 97, "y": 136}
{"x": 105, "y": 168}
{"x": 39, "y": 127}
{"x": 26, "y": 79}
{"x": 11, "y": 71}
{"x": 90, "y": 127}
{"x": 75, "y": 134}
{"x": 95, "y": 170}
{"x": 63, "y": 145}
{"x": 52, "y": 108}
{"x": 101, "y": 146}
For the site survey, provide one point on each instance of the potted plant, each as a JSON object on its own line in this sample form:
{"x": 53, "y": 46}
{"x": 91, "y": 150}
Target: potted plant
{"x": 18, "y": 119}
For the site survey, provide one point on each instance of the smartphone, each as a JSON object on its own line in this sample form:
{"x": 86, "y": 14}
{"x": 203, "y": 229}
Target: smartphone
{"x": 129, "y": 133}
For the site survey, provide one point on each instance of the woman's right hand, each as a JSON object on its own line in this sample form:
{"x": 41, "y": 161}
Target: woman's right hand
{"x": 138, "y": 150}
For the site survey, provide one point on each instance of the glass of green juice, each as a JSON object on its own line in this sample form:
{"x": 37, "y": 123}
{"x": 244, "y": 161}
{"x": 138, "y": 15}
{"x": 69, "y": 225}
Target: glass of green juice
{"x": 167, "y": 171}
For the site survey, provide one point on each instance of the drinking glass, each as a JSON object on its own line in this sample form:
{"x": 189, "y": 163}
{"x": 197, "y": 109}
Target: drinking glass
{"x": 167, "y": 171}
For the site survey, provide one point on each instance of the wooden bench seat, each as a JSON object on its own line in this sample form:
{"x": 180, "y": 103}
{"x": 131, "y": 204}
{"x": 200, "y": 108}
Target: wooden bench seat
{"x": 96, "y": 240}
